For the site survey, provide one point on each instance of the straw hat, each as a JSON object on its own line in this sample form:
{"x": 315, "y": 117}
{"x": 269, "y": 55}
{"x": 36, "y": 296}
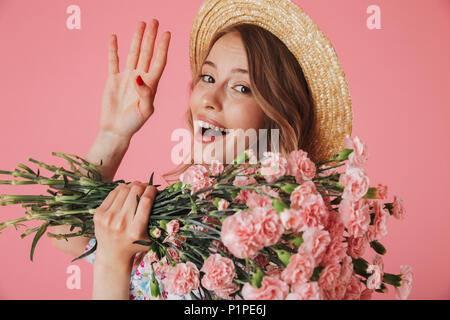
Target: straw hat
{"x": 309, "y": 45}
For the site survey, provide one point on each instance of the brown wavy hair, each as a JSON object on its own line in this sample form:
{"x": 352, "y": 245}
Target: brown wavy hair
{"x": 279, "y": 87}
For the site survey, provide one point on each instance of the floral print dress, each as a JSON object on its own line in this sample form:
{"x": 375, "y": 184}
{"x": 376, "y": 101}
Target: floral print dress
{"x": 140, "y": 280}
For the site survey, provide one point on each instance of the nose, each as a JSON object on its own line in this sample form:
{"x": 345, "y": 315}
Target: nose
{"x": 212, "y": 98}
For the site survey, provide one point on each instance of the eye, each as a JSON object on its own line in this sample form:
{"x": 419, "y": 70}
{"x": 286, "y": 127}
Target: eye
{"x": 204, "y": 75}
{"x": 246, "y": 88}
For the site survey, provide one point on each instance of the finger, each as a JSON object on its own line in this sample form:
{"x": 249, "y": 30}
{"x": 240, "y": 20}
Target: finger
{"x": 117, "y": 205}
{"x": 140, "y": 220}
{"x": 130, "y": 204}
{"x": 145, "y": 103}
{"x": 135, "y": 47}
{"x": 146, "y": 53}
{"x": 107, "y": 202}
{"x": 113, "y": 57}
{"x": 158, "y": 65}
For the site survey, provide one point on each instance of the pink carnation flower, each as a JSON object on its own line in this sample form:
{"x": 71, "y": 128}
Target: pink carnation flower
{"x": 300, "y": 166}
{"x": 238, "y": 234}
{"x": 356, "y": 184}
{"x": 223, "y": 204}
{"x": 299, "y": 269}
{"x": 402, "y": 292}
{"x": 355, "y": 217}
{"x": 306, "y": 291}
{"x": 366, "y": 294}
{"x": 255, "y": 200}
{"x": 374, "y": 281}
{"x": 398, "y": 208}
{"x": 329, "y": 275}
{"x": 261, "y": 260}
{"x": 273, "y": 271}
{"x": 173, "y": 254}
{"x": 271, "y": 289}
{"x": 304, "y": 195}
{"x": 198, "y": 177}
{"x": 382, "y": 191}
{"x": 337, "y": 292}
{"x": 216, "y": 167}
{"x": 293, "y": 219}
{"x": 243, "y": 181}
{"x": 219, "y": 273}
{"x": 356, "y": 246}
{"x": 335, "y": 226}
{"x": 224, "y": 293}
{"x": 312, "y": 215}
{"x": 173, "y": 227}
{"x": 273, "y": 166}
{"x": 379, "y": 228}
{"x": 160, "y": 267}
{"x": 359, "y": 156}
{"x": 335, "y": 252}
{"x": 346, "y": 269}
{"x": 182, "y": 279}
{"x": 315, "y": 242}
{"x": 353, "y": 290}
{"x": 269, "y": 226}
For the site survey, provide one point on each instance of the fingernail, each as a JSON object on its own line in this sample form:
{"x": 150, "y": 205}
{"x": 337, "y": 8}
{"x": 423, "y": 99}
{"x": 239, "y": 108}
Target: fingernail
{"x": 139, "y": 81}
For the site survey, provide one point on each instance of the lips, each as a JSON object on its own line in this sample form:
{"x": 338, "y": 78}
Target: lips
{"x": 213, "y": 122}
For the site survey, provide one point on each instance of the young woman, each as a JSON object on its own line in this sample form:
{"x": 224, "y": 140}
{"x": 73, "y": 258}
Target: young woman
{"x": 246, "y": 79}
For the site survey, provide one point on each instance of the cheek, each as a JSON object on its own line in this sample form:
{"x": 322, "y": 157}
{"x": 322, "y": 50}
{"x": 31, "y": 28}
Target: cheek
{"x": 246, "y": 117}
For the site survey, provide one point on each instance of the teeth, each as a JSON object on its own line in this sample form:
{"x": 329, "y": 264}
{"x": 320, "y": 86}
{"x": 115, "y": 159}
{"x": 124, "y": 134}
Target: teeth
{"x": 207, "y": 125}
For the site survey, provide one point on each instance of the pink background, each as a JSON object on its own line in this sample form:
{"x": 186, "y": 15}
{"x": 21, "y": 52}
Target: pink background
{"x": 53, "y": 78}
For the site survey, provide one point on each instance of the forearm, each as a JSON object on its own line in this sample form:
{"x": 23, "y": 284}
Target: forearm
{"x": 109, "y": 149}
{"x": 111, "y": 279}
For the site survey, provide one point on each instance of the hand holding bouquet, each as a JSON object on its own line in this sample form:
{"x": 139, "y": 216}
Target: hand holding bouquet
{"x": 278, "y": 228}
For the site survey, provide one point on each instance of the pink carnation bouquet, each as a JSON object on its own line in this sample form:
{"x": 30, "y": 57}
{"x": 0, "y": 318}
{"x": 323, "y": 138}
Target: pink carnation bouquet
{"x": 276, "y": 228}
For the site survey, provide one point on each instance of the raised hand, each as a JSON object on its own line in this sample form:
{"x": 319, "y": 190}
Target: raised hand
{"x": 126, "y": 105}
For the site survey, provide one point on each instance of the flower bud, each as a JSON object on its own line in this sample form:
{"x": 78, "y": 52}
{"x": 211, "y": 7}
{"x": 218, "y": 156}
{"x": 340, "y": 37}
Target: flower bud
{"x": 343, "y": 155}
{"x": 288, "y": 187}
{"x": 257, "y": 278}
{"x": 155, "y": 233}
{"x": 284, "y": 256}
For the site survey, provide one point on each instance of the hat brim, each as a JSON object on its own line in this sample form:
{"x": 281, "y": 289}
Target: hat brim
{"x": 306, "y": 41}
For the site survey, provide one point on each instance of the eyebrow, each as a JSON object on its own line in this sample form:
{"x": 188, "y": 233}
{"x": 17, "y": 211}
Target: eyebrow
{"x": 238, "y": 70}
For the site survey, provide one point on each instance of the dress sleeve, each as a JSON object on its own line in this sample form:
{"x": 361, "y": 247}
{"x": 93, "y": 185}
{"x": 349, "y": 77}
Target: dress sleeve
{"x": 91, "y": 257}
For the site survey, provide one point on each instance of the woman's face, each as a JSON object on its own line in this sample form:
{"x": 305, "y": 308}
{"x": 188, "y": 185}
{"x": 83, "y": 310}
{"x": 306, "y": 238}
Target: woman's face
{"x": 223, "y": 97}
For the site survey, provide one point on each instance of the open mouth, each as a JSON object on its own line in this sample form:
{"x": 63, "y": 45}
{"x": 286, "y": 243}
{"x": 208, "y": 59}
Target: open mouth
{"x": 208, "y": 130}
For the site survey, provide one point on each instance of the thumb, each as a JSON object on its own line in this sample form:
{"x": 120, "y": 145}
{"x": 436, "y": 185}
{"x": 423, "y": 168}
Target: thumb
{"x": 145, "y": 97}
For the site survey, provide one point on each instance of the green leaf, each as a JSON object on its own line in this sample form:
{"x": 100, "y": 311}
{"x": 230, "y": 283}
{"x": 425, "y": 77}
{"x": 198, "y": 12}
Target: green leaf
{"x": 151, "y": 179}
{"x": 90, "y": 251}
{"x": 297, "y": 242}
{"x": 279, "y": 205}
{"x": 36, "y": 238}
{"x": 142, "y": 242}
{"x": 316, "y": 273}
{"x": 378, "y": 247}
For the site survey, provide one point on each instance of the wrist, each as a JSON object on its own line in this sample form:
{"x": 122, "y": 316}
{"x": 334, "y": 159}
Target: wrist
{"x": 113, "y": 140}
{"x": 113, "y": 264}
